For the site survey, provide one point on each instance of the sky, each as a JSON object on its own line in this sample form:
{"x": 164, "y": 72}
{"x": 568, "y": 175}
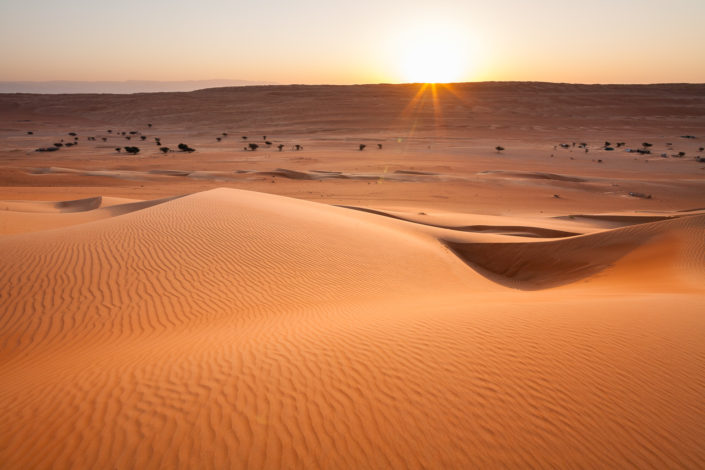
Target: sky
{"x": 361, "y": 41}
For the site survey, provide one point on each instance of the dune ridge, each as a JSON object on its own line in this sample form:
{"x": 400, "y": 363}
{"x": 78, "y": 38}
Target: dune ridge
{"x": 231, "y": 329}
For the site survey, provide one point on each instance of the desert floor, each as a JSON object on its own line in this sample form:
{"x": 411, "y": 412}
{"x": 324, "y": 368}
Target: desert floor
{"x": 433, "y": 303}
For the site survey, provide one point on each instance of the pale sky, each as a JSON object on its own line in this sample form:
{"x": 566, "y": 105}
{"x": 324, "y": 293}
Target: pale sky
{"x": 361, "y": 41}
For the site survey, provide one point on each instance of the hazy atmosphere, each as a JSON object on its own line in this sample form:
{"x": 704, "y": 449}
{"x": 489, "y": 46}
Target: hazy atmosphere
{"x": 320, "y": 42}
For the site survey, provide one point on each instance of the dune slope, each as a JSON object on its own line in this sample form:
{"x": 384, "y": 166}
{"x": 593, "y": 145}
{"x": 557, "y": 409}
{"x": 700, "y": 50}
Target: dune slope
{"x": 232, "y": 329}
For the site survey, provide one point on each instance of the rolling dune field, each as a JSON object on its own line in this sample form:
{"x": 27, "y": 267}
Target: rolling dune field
{"x": 429, "y": 302}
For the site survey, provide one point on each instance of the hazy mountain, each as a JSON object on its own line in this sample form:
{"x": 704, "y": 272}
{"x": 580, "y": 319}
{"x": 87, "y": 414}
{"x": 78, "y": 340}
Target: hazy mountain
{"x": 129, "y": 86}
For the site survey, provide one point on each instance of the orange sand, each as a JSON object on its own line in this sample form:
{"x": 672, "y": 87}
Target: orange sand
{"x": 331, "y": 308}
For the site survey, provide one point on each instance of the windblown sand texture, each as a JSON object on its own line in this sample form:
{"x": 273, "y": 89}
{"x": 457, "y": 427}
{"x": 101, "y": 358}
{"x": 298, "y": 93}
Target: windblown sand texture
{"x": 330, "y": 308}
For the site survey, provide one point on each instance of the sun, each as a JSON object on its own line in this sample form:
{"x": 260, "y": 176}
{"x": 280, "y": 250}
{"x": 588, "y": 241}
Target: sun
{"x": 433, "y": 55}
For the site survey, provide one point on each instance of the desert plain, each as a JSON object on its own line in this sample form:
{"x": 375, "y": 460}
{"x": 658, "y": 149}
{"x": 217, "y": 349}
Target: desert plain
{"x": 427, "y": 301}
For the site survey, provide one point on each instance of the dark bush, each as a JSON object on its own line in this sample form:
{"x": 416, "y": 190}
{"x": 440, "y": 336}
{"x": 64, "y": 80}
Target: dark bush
{"x": 132, "y": 150}
{"x": 186, "y": 148}
{"x": 253, "y": 146}
{"x": 164, "y": 149}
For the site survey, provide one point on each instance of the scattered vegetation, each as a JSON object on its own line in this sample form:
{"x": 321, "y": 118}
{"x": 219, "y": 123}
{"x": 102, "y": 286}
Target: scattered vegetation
{"x": 47, "y": 149}
{"x": 186, "y": 148}
{"x": 132, "y": 150}
{"x": 499, "y": 148}
{"x": 362, "y": 147}
{"x": 164, "y": 149}
{"x": 641, "y": 195}
{"x": 253, "y": 146}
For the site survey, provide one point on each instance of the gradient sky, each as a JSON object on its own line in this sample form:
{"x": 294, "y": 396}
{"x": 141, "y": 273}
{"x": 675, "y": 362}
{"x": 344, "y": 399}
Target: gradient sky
{"x": 362, "y": 41}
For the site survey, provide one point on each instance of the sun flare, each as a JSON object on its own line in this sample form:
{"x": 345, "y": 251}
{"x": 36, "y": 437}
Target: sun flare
{"x": 433, "y": 56}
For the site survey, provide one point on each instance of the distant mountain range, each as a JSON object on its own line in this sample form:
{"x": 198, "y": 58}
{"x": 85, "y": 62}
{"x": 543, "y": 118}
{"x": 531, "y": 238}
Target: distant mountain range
{"x": 128, "y": 86}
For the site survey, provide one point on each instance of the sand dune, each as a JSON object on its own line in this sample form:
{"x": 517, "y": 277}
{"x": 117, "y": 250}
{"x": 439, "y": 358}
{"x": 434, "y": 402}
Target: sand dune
{"x": 425, "y": 302}
{"x": 234, "y": 329}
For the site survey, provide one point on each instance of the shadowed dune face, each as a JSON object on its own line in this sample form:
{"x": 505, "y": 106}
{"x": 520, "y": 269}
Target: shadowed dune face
{"x": 237, "y": 329}
{"x": 542, "y": 265}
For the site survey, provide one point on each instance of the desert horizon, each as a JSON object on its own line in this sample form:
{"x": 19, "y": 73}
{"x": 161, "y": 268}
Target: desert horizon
{"x": 52, "y": 87}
